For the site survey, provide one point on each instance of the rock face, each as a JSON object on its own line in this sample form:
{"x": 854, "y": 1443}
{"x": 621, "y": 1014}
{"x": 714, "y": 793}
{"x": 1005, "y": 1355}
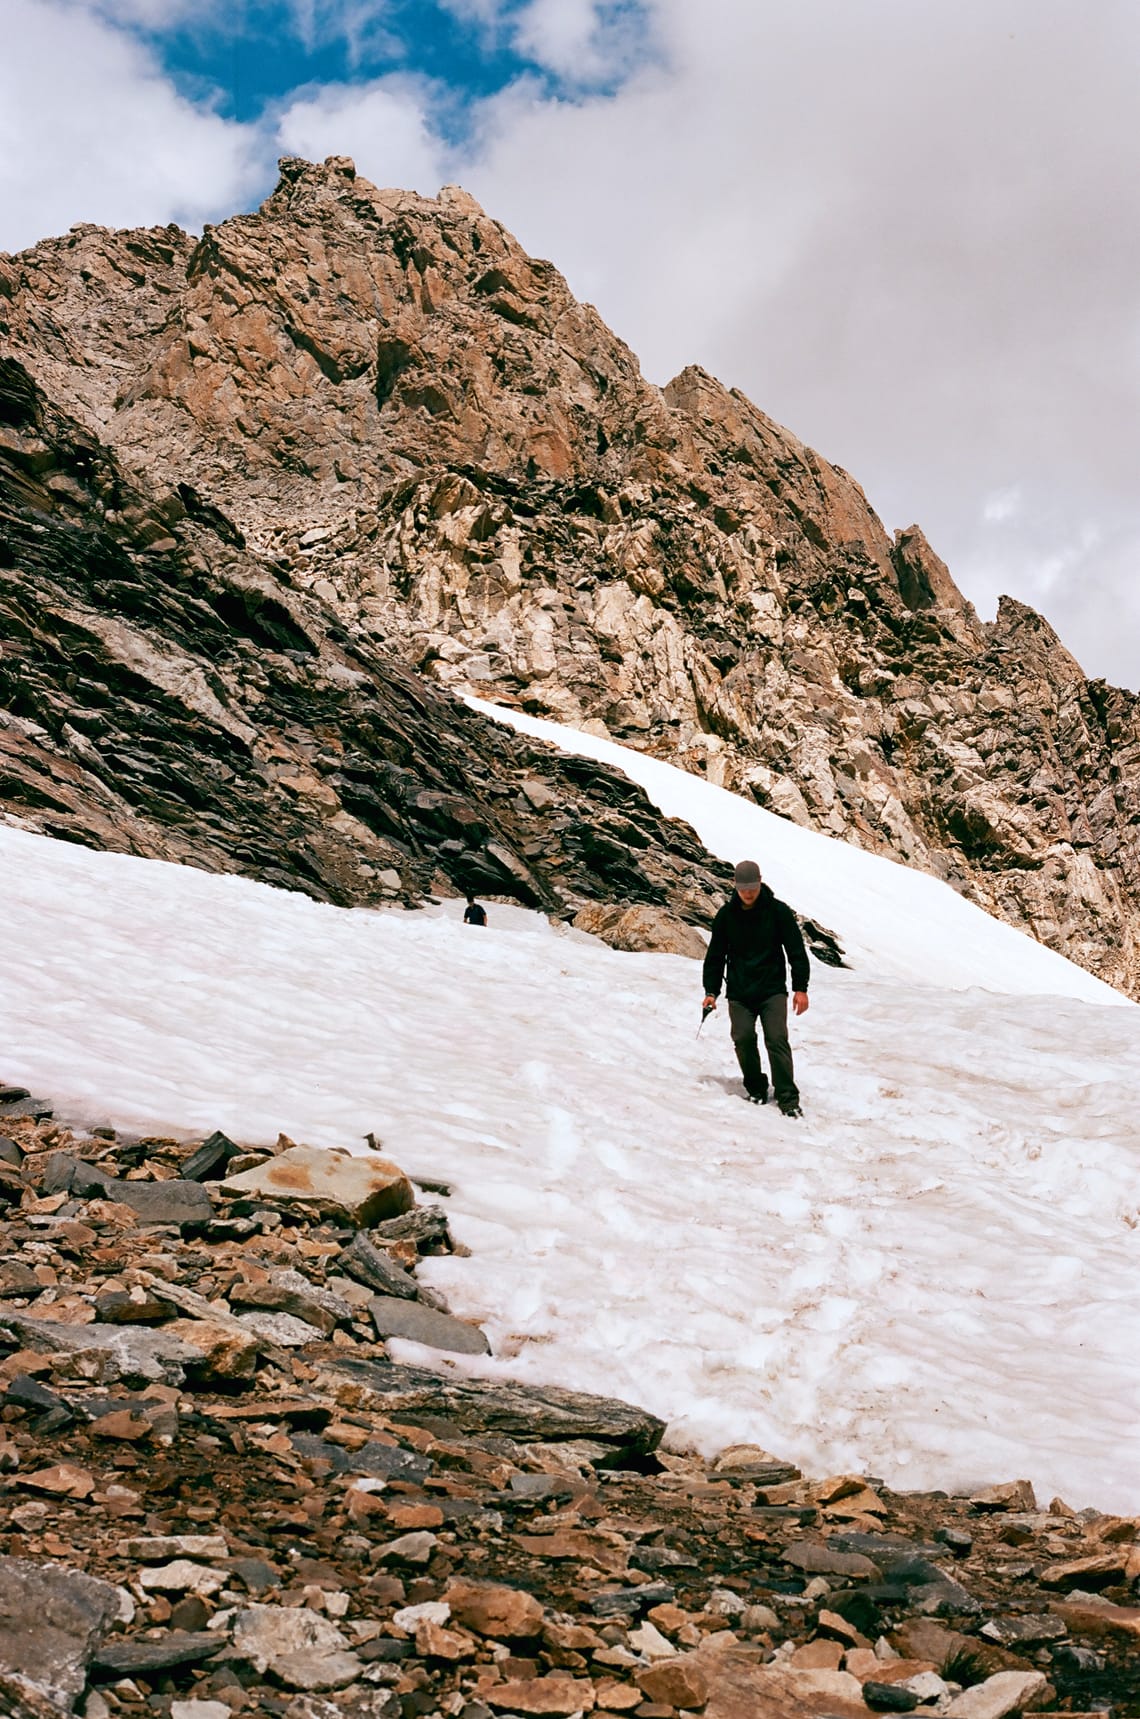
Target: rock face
{"x": 51, "y": 1622}
{"x": 418, "y": 432}
{"x": 164, "y": 693}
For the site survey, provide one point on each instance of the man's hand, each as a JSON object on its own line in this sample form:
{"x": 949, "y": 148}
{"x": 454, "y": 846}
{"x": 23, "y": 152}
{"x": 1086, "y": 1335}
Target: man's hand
{"x": 800, "y": 1002}
{"x": 709, "y": 1003}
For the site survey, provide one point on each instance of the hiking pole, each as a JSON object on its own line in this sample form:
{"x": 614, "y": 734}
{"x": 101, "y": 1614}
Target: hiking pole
{"x": 706, "y": 1011}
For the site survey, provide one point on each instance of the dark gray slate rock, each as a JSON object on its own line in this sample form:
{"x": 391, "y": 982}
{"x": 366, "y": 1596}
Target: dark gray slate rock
{"x": 210, "y": 1159}
{"x": 26, "y": 1393}
{"x": 931, "y": 1591}
{"x": 632, "y": 1602}
{"x": 175, "y": 1202}
{"x": 1077, "y": 1658}
{"x": 65, "y": 1174}
{"x": 52, "y": 1621}
{"x": 384, "y": 1649}
{"x": 10, "y": 1153}
{"x": 142, "y": 1654}
{"x": 425, "y": 1225}
{"x": 889, "y": 1698}
{"x": 377, "y": 1461}
{"x": 1028, "y": 1630}
{"x": 255, "y": 1574}
{"x": 532, "y": 1412}
{"x": 946, "y": 1598}
{"x": 37, "y": 1108}
{"x": 411, "y": 1319}
{"x": 655, "y": 1559}
{"x": 117, "y": 1307}
{"x": 371, "y": 1266}
{"x": 886, "y": 1550}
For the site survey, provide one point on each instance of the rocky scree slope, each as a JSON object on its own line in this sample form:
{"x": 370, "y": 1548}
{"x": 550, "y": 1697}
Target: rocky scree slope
{"x": 411, "y": 418}
{"x": 162, "y": 695}
{"x": 219, "y": 1494}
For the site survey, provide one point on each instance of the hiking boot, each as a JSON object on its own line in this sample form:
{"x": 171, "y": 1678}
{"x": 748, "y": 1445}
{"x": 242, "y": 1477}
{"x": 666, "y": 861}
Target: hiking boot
{"x": 758, "y": 1094}
{"x": 789, "y": 1106}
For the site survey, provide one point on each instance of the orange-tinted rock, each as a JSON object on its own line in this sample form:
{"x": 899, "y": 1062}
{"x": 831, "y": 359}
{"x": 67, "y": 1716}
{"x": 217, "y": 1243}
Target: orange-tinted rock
{"x": 1086, "y": 1619}
{"x": 362, "y": 1190}
{"x": 502, "y": 1613}
{"x": 556, "y": 1696}
{"x": 606, "y": 1551}
{"x": 818, "y": 1656}
{"x": 434, "y": 1641}
{"x": 681, "y": 1682}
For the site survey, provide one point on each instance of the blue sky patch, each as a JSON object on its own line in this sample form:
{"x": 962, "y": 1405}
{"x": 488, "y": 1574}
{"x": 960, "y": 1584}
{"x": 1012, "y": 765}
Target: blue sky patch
{"x": 248, "y": 58}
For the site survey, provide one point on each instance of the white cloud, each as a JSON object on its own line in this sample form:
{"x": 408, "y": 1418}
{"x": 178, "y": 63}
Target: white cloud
{"x": 156, "y": 14}
{"x": 912, "y": 233}
{"x": 582, "y": 42}
{"x": 1002, "y": 505}
{"x": 361, "y": 24}
{"x": 383, "y": 125}
{"x": 90, "y": 130}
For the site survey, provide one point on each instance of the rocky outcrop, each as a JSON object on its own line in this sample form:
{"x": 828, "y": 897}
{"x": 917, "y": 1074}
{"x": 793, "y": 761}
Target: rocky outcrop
{"x": 162, "y": 693}
{"x": 414, "y": 423}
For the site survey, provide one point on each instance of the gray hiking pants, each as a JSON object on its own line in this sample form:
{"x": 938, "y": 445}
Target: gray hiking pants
{"x": 773, "y": 1017}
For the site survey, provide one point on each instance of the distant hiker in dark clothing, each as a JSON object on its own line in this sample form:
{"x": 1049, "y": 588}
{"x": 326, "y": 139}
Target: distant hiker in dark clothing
{"x": 751, "y": 934}
{"x": 474, "y": 914}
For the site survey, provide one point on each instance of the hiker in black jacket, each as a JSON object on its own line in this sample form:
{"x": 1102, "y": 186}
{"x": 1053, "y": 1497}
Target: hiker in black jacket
{"x": 751, "y": 934}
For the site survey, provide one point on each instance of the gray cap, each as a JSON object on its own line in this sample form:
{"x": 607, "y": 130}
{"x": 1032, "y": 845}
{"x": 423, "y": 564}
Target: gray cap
{"x": 747, "y": 875}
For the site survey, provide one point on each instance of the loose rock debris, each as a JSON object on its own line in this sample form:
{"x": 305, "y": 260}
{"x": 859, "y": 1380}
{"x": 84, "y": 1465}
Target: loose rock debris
{"x": 218, "y": 1495}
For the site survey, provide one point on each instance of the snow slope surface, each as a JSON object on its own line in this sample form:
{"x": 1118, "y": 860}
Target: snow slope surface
{"x": 893, "y": 922}
{"x": 932, "y": 1277}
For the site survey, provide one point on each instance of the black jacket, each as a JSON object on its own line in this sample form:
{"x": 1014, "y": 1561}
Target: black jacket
{"x": 752, "y": 941}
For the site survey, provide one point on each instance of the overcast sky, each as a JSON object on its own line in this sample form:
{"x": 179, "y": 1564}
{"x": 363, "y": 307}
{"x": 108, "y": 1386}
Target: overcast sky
{"x": 908, "y": 229}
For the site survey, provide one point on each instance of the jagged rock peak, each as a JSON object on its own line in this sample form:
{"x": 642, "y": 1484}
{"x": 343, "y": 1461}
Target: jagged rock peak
{"x": 305, "y": 184}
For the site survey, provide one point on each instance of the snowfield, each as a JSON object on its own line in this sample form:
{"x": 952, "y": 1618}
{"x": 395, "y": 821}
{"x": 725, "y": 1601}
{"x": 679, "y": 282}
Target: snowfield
{"x": 933, "y": 1277}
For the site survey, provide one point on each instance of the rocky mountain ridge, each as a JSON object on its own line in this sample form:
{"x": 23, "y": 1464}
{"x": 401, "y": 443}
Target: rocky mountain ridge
{"x": 413, "y": 424}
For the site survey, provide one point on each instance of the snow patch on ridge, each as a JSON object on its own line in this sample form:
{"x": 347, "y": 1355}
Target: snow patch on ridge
{"x": 892, "y": 921}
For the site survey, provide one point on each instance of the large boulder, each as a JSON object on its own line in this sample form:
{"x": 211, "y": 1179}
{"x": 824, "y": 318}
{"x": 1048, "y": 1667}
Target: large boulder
{"x": 323, "y": 1183}
{"x": 295, "y": 1646}
{"x": 185, "y": 1203}
{"x": 534, "y": 1412}
{"x": 52, "y": 1620}
{"x": 394, "y": 1316}
{"x": 644, "y": 930}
